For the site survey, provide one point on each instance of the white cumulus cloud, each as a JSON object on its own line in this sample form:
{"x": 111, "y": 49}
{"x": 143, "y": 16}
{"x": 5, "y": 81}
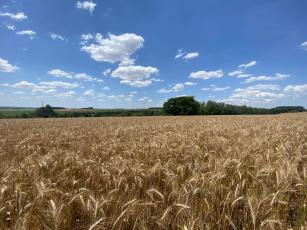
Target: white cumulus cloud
{"x": 6, "y": 67}
{"x": 66, "y": 95}
{"x": 79, "y": 76}
{"x": 23, "y": 85}
{"x": 214, "y": 88}
{"x": 84, "y": 76}
{"x": 296, "y": 89}
{"x": 86, "y": 5}
{"x": 304, "y": 45}
{"x": 186, "y": 55}
{"x": 29, "y": 33}
{"x": 256, "y": 95}
{"x": 113, "y": 48}
{"x": 235, "y": 73}
{"x": 207, "y": 74}
{"x": 278, "y": 77}
{"x": 59, "y": 73}
{"x": 239, "y": 74}
{"x": 57, "y": 37}
{"x": 190, "y": 83}
{"x": 59, "y": 84}
{"x": 244, "y": 75}
{"x": 179, "y": 54}
{"x": 136, "y": 76}
{"x": 87, "y": 36}
{"x": 89, "y": 92}
{"x": 18, "y": 16}
{"x": 43, "y": 87}
{"x": 176, "y": 88}
{"x": 10, "y": 27}
{"x": 106, "y": 72}
{"x": 250, "y": 64}
{"x": 191, "y": 55}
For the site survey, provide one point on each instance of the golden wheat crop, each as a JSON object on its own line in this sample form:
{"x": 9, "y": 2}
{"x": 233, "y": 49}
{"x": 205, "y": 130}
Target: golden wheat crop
{"x": 204, "y": 172}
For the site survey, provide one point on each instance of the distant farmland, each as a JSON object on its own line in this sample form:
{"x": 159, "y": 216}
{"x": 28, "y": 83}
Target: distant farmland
{"x": 15, "y": 112}
{"x": 201, "y": 172}
{"x": 25, "y": 113}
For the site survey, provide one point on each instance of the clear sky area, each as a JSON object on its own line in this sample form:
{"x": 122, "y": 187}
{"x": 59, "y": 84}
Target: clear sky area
{"x": 138, "y": 53}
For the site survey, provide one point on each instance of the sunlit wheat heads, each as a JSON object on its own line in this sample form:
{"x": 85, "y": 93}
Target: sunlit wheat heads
{"x": 204, "y": 172}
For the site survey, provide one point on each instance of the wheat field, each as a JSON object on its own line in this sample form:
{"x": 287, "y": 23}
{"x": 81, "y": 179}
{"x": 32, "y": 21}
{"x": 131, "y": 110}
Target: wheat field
{"x": 202, "y": 172}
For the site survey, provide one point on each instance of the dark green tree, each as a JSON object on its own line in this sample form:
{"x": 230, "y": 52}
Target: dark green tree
{"x": 213, "y": 108}
{"x": 181, "y": 106}
{"x": 46, "y": 111}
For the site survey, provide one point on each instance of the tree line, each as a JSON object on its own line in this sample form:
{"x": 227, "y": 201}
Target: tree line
{"x": 59, "y": 112}
{"x": 174, "y": 106}
{"x": 189, "y": 106}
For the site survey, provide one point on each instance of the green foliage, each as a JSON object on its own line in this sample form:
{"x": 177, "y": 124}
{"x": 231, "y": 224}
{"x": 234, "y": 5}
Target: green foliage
{"x": 24, "y": 115}
{"x": 109, "y": 112}
{"x": 181, "y": 106}
{"x": 189, "y": 106}
{"x": 15, "y": 113}
{"x": 288, "y": 109}
{"x": 174, "y": 106}
{"x": 46, "y": 111}
{"x": 218, "y": 108}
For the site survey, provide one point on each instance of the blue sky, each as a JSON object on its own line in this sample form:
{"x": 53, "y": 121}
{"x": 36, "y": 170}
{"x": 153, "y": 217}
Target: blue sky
{"x": 138, "y": 53}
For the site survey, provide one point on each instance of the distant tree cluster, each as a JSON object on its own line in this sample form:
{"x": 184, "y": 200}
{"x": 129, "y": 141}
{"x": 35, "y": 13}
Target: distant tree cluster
{"x": 288, "y": 109}
{"x": 218, "y": 108}
{"x": 112, "y": 113}
{"x": 48, "y": 111}
{"x": 189, "y": 106}
{"x": 45, "y": 112}
{"x": 181, "y": 106}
